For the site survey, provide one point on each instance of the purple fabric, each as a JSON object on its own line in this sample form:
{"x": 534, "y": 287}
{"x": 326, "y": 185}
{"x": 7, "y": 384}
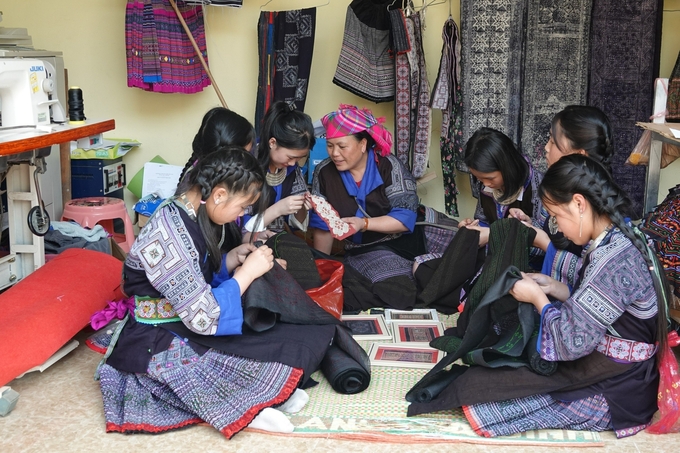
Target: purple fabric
{"x": 115, "y": 309}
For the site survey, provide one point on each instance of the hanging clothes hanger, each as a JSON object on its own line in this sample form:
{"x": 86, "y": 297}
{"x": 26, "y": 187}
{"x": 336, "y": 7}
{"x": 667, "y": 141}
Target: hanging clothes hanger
{"x": 318, "y": 6}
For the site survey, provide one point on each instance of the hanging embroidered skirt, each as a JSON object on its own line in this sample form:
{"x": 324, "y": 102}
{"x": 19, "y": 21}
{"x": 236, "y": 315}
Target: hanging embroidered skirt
{"x": 160, "y": 56}
{"x": 182, "y": 388}
{"x": 519, "y": 415}
{"x": 365, "y": 66}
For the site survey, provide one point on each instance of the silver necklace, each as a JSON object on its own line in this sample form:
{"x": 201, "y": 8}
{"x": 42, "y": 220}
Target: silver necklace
{"x": 275, "y": 179}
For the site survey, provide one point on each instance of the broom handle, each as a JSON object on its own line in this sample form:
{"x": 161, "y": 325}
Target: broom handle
{"x": 198, "y": 52}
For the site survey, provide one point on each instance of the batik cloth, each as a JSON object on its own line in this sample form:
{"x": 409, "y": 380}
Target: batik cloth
{"x": 160, "y": 55}
{"x": 624, "y": 58}
{"x": 294, "y": 46}
{"x": 182, "y": 388}
{"x": 555, "y": 70}
{"x": 492, "y": 38}
{"x": 365, "y": 66}
{"x": 446, "y": 96}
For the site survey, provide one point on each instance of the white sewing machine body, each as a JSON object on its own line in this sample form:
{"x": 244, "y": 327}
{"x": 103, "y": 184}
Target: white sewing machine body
{"x": 24, "y": 101}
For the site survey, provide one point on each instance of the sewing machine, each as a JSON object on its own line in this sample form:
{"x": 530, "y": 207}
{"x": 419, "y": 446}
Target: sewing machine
{"x": 26, "y": 90}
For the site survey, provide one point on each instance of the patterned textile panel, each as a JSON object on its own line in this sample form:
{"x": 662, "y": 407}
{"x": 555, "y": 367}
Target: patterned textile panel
{"x": 555, "y": 68}
{"x": 624, "y": 51}
{"x": 491, "y": 38}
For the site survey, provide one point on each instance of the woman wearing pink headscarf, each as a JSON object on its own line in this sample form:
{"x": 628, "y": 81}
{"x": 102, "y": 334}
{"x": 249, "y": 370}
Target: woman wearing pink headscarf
{"x": 373, "y": 191}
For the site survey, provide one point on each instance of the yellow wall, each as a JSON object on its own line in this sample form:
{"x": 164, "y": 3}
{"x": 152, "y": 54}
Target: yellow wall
{"x": 91, "y": 36}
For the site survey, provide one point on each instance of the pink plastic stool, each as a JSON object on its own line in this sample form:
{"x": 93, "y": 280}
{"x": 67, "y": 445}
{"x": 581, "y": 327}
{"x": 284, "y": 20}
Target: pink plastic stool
{"x": 90, "y": 211}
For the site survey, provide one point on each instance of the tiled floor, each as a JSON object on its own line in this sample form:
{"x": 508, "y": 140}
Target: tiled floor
{"x": 60, "y": 410}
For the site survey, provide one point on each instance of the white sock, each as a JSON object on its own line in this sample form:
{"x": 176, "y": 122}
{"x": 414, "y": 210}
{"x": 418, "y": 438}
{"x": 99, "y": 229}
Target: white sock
{"x": 295, "y": 403}
{"x": 273, "y": 421}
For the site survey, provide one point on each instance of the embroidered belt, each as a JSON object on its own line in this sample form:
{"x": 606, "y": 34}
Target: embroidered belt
{"x": 152, "y": 310}
{"x": 628, "y": 350}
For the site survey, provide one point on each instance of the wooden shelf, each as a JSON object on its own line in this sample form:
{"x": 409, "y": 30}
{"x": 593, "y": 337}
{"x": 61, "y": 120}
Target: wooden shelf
{"x": 19, "y": 142}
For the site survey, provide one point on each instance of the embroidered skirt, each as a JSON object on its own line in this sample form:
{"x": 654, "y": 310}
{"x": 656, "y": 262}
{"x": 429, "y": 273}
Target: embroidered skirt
{"x": 519, "y": 415}
{"x": 182, "y": 388}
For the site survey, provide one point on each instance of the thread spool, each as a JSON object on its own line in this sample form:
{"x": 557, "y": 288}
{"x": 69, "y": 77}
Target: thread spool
{"x": 76, "y": 109}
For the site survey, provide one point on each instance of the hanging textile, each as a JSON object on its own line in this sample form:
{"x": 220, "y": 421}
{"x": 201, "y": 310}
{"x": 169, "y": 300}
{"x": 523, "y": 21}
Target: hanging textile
{"x": 160, "y": 56}
{"x": 673, "y": 100}
{"x": 624, "y": 58}
{"x": 286, "y": 45}
{"x": 365, "y": 66}
{"x": 491, "y": 38}
{"x": 555, "y": 69}
{"x": 412, "y": 101}
{"x": 446, "y": 96}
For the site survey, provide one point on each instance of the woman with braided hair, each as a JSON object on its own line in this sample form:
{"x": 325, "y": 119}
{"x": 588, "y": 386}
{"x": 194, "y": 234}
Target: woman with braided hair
{"x": 617, "y": 309}
{"x": 577, "y": 129}
{"x": 220, "y": 127}
{"x": 166, "y": 367}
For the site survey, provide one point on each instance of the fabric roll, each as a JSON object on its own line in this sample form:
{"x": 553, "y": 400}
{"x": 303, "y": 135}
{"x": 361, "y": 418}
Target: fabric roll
{"x": 365, "y": 66}
{"x": 555, "y": 70}
{"x": 536, "y": 363}
{"x": 344, "y": 373}
{"x": 624, "y": 58}
{"x": 434, "y": 387}
{"x": 160, "y": 57}
{"x": 492, "y": 59}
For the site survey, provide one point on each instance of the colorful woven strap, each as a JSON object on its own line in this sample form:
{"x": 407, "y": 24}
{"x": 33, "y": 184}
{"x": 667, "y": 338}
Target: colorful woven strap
{"x": 626, "y": 350}
{"x": 150, "y": 310}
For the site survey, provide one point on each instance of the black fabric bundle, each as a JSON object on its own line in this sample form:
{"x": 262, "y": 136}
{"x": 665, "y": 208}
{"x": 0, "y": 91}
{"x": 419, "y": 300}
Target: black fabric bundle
{"x": 277, "y": 297}
{"x": 344, "y": 373}
{"x": 298, "y": 256}
{"x": 443, "y": 279}
{"x": 487, "y": 303}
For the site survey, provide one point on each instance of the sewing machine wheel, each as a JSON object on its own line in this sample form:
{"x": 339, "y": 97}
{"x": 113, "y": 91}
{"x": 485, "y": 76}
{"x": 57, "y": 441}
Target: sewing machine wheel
{"x": 38, "y": 221}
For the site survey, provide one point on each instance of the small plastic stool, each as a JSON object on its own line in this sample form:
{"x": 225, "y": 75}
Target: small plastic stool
{"x": 90, "y": 211}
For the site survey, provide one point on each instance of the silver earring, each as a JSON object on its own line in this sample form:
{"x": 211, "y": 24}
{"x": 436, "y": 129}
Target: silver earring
{"x": 552, "y": 225}
{"x": 580, "y": 226}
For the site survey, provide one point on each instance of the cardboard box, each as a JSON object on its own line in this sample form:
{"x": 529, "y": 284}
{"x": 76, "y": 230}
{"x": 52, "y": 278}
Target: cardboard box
{"x": 142, "y": 220}
{"x": 116, "y": 251}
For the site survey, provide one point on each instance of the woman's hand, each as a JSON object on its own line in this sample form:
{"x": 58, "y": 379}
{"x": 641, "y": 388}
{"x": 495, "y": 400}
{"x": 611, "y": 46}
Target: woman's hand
{"x": 237, "y": 256}
{"x": 283, "y": 263}
{"x": 290, "y": 205}
{"x": 517, "y": 213}
{"x": 467, "y": 223}
{"x": 528, "y": 290}
{"x": 357, "y": 222}
{"x": 551, "y": 287}
{"x": 256, "y": 264}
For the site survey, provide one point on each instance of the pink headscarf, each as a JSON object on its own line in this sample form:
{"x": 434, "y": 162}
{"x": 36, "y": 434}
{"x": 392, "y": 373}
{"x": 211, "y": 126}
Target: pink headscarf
{"x": 349, "y": 120}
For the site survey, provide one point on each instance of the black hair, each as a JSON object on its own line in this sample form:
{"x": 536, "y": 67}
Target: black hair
{"x": 576, "y": 173}
{"x": 219, "y": 127}
{"x": 489, "y": 150}
{"x": 291, "y": 128}
{"x": 370, "y": 141}
{"x": 237, "y": 171}
{"x": 586, "y": 128}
